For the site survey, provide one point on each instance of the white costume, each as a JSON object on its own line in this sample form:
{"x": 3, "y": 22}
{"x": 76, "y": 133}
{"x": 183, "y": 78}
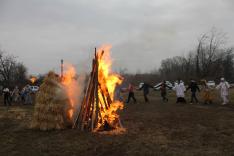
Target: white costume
{"x": 15, "y": 94}
{"x": 223, "y": 87}
{"x": 180, "y": 89}
{"x": 6, "y": 90}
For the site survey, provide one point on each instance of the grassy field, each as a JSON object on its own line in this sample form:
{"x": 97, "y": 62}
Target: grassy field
{"x": 155, "y": 128}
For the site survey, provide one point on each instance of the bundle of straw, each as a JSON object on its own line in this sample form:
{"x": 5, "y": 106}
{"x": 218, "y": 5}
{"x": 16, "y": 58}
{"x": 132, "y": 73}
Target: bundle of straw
{"x": 51, "y": 102}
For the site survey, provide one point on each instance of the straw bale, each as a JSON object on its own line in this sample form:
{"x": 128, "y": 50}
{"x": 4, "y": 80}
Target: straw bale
{"x": 51, "y": 100}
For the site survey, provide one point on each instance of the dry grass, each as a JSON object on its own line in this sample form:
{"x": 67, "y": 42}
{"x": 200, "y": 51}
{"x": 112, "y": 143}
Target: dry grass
{"x": 156, "y": 128}
{"x": 50, "y": 105}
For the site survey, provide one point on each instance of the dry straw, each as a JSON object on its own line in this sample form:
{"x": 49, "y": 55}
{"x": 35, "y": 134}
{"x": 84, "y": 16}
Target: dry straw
{"x": 51, "y": 105}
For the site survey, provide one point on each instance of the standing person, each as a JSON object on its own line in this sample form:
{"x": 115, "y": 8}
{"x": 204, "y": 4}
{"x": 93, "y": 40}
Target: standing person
{"x": 28, "y": 98}
{"x": 6, "y": 94}
{"x": 22, "y": 95}
{"x": 206, "y": 93}
{"x": 163, "y": 90}
{"x": 180, "y": 89}
{"x": 16, "y": 94}
{"x": 224, "y": 92}
{"x": 194, "y": 88}
{"x": 145, "y": 87}
{"x": 131, "y": 93}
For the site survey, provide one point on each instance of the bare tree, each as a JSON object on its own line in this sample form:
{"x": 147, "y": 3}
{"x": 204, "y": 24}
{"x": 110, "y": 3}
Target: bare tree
{"x": 210, "y": 60}
{"x": 11, "y": 71}
{"x": 209, "y": 47}
{"x": 200, "y": 53}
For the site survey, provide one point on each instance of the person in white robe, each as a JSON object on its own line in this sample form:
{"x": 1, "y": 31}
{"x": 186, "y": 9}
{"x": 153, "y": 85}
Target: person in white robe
{"x": 223, "y": 87}
{"x": 180, "y": 89}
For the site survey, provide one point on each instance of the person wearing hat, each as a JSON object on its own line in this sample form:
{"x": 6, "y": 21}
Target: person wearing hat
{"x": 224, "y": 92}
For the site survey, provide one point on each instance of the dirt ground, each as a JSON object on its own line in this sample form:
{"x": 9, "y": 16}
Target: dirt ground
{"x": 155, "y": 128}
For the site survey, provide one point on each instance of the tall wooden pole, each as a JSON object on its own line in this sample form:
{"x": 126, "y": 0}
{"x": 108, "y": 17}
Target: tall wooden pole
{"x": 96, "y": 90}
{"x": 62, "y": 69}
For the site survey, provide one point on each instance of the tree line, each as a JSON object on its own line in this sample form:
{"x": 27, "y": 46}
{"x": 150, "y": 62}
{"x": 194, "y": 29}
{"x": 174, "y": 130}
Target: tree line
{"x": 210, "y": 60}
{"x": 12, "y": 72}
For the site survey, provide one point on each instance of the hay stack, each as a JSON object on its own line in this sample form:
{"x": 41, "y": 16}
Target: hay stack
{"x": 51, "y": 102}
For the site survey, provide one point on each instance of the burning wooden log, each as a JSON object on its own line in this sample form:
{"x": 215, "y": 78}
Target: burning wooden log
{"x": 98, "y": 110}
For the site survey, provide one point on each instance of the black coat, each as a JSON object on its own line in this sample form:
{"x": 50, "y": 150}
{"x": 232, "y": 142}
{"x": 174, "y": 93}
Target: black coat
{"x": 193, "y": 87}
{"x": 146, "y": 88}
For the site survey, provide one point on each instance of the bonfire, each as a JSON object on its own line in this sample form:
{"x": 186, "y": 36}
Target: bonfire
{"x": 99, "y": 109}
{"x": 58, "y": 103}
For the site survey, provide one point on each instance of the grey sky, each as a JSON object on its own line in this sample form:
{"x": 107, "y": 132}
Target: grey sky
{"x": 142, "y": 32}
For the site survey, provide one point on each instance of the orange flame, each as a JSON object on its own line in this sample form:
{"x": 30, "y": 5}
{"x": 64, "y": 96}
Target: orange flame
{"x": 70, "y": 87}
{"x": 108, "y": 82}
{"x": 33, "y": 79}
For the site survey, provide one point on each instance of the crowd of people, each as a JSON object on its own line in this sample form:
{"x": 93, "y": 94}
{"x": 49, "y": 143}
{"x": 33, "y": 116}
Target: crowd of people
{"x": 24, "y": 96}
{"x": 17, "y": 96}
{"x": 180, "y": 90}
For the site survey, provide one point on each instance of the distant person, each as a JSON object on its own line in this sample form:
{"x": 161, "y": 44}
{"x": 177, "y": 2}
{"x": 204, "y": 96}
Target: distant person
{"x": 145, "y": 87}
{"x": 194, "y": 88}
{"x": 16, "y": 94}
{"x": 180, "y": 89}
{"x": 6, "y": 94}
{"x": 206, "y": 93}
{"x": 163, "y": 89}
{"x": 224, "y": 90}
{"x": 27, "y": 93}
{"x": 131, "y": 94}
{"x": 22, "y": 95}
{"x": 11, "y": 95}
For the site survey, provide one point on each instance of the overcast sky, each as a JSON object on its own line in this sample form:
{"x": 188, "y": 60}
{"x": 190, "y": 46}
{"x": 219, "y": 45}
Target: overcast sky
{"x": 142, "y": 32}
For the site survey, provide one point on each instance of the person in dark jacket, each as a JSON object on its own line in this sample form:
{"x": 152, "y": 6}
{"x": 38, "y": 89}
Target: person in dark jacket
{"x": 163, "y": 90}
{"x": 131, "y": 93}
{"x": 6, "y": 94}
{"x": 194, "y": 88}
{"x": 145, "y": 87}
